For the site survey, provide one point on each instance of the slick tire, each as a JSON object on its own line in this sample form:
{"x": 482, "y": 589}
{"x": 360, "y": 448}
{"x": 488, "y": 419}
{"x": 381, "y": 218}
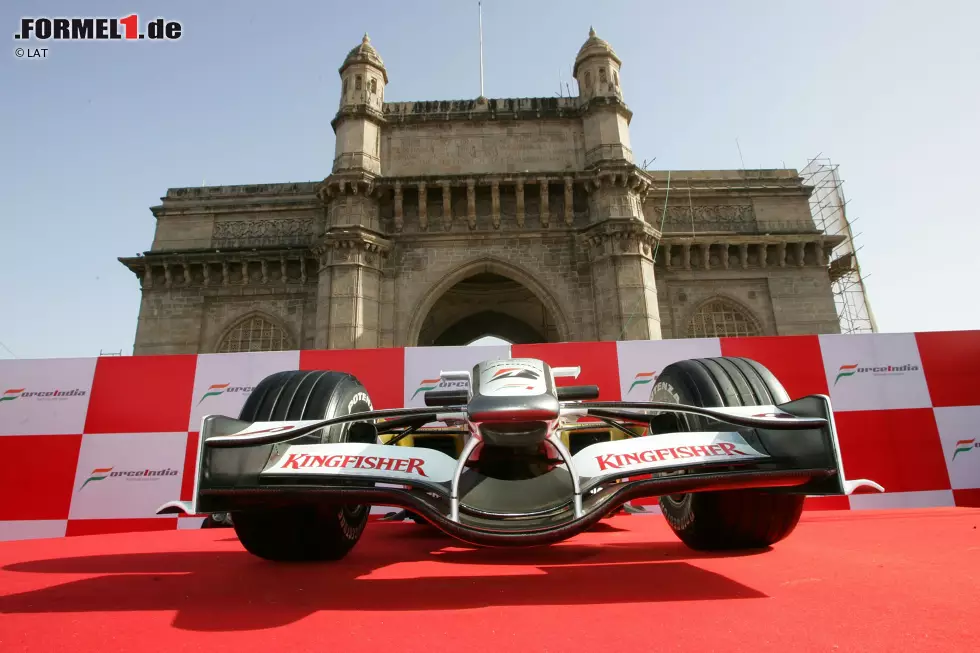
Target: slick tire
{"x": 307, "y": 532}
{"x": 732, "y": 519}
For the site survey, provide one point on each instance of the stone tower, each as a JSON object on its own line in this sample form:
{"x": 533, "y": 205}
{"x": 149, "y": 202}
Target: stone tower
{"x": 621, "y": 243}
{"x": 358, "y": 122}
{"x": 606, "y": 118}
{"x": 351, "y": 252}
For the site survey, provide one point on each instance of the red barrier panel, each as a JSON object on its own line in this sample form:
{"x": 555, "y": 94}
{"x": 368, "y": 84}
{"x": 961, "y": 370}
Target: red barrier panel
{"x": 96, "y": 445}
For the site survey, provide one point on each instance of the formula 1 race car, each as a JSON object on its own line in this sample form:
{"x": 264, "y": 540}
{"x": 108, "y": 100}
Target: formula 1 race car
{"x": 721, "y": 444}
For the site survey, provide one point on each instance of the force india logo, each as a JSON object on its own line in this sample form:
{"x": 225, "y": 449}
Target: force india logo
{"x": 102, "y": 473}
{"x": 432, "y": 384}
{"x": 963, "y": 446}
{"x": 514, "y": 375}
{"x": 381, "y": 463}
{"x": 845, "y": 371}
{"x": 12, "y": 394}
{"x": 642, "y": 378}
{"x": 626, "y": 460}
{"x": 218, "y": 389}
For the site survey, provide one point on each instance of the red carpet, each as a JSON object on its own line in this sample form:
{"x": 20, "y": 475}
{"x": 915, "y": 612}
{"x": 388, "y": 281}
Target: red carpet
{"x": 844, "y": 581}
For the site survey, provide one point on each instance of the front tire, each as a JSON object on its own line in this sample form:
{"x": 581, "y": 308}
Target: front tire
{"x": 731, "y": 519}
{"x": 307, "y": 532}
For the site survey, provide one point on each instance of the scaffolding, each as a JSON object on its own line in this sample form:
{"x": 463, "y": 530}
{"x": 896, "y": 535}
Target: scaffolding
{"x": 827, "y": 205}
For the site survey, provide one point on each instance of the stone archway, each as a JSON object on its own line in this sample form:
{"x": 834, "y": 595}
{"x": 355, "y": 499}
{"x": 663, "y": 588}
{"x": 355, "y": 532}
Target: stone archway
{"x": 489, "y": 323}
{"x": 487, "y": 298}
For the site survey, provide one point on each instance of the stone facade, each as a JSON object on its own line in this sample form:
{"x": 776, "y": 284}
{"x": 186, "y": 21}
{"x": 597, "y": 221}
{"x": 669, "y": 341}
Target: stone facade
{"x": 445, "y": 221}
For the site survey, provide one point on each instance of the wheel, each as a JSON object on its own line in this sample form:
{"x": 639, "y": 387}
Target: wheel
{"x": 731, "y": 519}
{"x": 307, "y": 532}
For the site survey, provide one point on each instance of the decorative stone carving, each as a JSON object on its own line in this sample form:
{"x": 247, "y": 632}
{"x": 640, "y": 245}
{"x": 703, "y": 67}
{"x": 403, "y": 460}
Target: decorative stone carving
{"x": 353, "y": 246}
{"x": 621, "y": 236}
{"x": 684, "y": 219}
{"x": 758, "y": 250}
{"x": 252, "y": 233}
{"x": 347, "y": 183}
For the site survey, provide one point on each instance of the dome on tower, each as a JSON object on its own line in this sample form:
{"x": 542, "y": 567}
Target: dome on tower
{"x": 365, "y": 53}
{"x": 594, "y": 47}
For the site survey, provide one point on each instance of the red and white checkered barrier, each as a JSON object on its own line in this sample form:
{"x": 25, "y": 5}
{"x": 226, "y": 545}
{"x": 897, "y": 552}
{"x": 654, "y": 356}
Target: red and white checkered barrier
{"x": 95, "y": 445}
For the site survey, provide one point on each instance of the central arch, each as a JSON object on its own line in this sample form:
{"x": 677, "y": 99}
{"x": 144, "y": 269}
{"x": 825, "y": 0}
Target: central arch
{"x": 487, "y": 323}
{"x": 487, "y": 298}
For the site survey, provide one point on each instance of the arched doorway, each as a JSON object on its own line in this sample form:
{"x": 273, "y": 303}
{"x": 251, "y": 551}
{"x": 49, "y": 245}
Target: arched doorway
{"x": 488, "y": 303}
{"x": 489, "y": 323}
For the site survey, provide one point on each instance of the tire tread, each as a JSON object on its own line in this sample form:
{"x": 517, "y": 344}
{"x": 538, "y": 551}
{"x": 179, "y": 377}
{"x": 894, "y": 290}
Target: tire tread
{"x": 733, "y": 519}
{"x": 308, "y": 532}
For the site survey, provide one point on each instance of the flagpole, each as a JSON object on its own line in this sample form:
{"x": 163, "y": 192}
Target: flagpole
{"x": 480, "y": 6}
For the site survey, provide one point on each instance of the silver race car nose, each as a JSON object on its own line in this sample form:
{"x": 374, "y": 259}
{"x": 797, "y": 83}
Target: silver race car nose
{"x": 513, "y": 403}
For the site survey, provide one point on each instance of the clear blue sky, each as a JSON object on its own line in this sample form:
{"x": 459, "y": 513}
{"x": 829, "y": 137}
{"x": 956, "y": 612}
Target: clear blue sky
{"x": 93, "y": 135}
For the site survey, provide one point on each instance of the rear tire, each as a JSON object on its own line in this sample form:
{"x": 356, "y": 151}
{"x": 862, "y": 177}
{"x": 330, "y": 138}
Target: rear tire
{"x": 733, "y": 519}
{"x": 308, "y": 532}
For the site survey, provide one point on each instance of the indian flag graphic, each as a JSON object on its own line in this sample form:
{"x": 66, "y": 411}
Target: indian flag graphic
{"x": 11, "y": 394}
{"x": 426, "y": 385}
{"x": 642, "y": 378}
{"x": 845, "y": 371}
{"x": 214, "y": 391}
{"x": 962, "y": 446}
{"x": 98, "y": 474}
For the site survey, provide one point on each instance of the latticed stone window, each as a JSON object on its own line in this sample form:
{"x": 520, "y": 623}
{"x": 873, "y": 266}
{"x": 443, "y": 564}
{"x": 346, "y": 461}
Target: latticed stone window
{"x": 721, "y": 318}
{"x": 255, "y": 333}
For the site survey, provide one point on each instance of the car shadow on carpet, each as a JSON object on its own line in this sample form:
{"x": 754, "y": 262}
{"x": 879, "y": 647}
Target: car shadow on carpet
{"x": 233, "y": 591}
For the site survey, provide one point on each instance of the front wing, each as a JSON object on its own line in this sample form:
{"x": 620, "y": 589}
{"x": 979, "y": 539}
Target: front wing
{"x": 792, "y": 447}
